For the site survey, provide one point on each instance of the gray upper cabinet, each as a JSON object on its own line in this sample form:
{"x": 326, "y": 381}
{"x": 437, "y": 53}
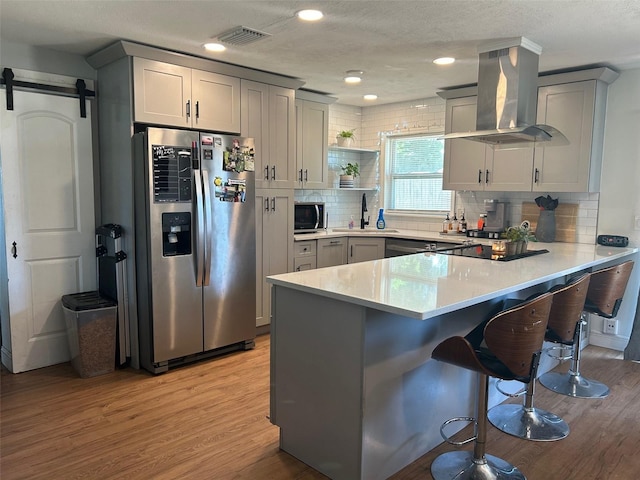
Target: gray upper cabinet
{"x": 574, "y": 103}
{"x": 268, "y": 116}
{"x": 312, "y": 126}
{"x": 463, "y": 159}
{"x": 577, "y": 110}
{"x": 172, "y": 95}
{"x": 470, "y": 165}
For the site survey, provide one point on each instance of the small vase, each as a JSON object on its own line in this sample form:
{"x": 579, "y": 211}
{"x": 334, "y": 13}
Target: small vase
{"x": 546, "y": 228}
{"x": 346, "y": 181}
{"x": 344, "y": 141}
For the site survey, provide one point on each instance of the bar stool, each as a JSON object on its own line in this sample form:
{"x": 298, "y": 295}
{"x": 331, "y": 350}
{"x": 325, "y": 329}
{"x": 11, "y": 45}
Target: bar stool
{"x": 604, "y": 297}
{"x": 507, "y": 346}
{"x": 526, "y": 421}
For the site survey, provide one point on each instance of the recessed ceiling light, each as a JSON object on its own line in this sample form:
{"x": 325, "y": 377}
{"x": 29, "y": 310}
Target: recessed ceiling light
{"x": 310, "y": 15}
{"x": 353, "y": 76}
{"x": 215, "y": 47}
{"x": 370, "y": 96}
{"x": 444, "y": 61}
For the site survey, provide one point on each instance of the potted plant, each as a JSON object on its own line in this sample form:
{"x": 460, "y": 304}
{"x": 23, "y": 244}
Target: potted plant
{"x": 349, "y": 172}
{"x": 345, "y": 138}
{"x": 518, "y": 238}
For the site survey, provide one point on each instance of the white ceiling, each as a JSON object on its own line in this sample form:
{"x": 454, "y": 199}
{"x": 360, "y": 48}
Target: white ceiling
{"x": 392, "y": 41}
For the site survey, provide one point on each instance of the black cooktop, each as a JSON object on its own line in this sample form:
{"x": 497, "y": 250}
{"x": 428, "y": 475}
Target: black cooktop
{"x": 485, "y": 252}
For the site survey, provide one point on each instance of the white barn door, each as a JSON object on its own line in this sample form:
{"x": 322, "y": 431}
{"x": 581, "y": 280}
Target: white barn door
{"x": 49, "y": 226}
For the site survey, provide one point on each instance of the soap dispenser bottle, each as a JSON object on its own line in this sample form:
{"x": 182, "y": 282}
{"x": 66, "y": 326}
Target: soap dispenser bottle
{"x": 351, "y": 223}
{"x": 380, "y": 223}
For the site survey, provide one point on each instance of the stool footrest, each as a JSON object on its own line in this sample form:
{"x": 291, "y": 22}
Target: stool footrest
{"x": 452, "y": 420}
{"x": 509, "y": 394}
{"x": 549, "y": 351}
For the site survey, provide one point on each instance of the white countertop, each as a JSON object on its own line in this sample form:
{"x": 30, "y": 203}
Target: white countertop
{"x": 428, "y": 284}
{"x": 385, "y": 233}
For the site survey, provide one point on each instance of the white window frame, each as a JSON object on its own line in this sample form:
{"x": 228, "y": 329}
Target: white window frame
{"x": 387, "y": 179}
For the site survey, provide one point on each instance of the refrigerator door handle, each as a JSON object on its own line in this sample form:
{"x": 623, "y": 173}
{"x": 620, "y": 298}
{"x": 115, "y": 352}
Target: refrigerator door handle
{"x": 200, "y": 233}
{"x": 208, "y": 219}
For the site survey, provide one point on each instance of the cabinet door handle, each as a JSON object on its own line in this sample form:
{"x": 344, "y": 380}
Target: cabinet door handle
{"x": 486, "y": 176}
{"x": 14, "y": 250}
{"x": 266, "y": 204}
{"x": 351, "y": 254}
{"x": 479, "y": 176}
{"x": 306, "y": 175}
{"x": 266, "y": 172}
{"x": 273, "y": 172}
{"x": 300, "y": 175}
{"x": 197, "y": 109}
{"x": 536, "y": 177}
{"x": 188, "y": 108}
{"x": 273, "y": 204}
{"x": 334, "y": 242}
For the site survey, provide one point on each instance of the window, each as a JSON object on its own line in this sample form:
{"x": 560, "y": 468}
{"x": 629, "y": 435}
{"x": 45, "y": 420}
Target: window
{"x": 414, "y": 175}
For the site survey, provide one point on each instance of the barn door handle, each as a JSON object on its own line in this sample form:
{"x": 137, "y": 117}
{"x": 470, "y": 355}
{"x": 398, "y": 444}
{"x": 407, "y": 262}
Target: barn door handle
{"x": 14, "y": 250}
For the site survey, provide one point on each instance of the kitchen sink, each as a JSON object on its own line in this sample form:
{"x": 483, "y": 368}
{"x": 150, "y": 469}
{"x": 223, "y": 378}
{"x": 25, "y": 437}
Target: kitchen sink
{"x": 366, "y": 230}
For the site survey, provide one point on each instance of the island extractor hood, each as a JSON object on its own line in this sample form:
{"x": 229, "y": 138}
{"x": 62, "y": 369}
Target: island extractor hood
{"x": 508, "y": 97}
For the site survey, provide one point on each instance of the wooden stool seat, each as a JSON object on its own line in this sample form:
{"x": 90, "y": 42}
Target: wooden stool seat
{"x": 507, "y": 346}
{"x": 604, "y": 295}
{"x": 526, "y": 421}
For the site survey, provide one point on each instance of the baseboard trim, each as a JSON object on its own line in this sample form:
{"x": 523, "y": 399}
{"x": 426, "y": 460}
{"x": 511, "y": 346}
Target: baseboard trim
{"x": 614, "y": 342}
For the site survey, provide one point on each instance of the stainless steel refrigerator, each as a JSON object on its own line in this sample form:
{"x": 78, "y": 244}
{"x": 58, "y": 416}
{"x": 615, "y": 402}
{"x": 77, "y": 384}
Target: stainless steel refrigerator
{"x": 195, "y": 245}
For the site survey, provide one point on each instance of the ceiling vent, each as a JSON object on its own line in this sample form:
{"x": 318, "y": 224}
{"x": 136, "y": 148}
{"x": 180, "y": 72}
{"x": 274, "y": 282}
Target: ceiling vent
{"x": 242, "y": 36}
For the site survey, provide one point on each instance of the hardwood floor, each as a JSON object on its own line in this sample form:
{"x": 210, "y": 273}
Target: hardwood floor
{"x": 209, "y": 421}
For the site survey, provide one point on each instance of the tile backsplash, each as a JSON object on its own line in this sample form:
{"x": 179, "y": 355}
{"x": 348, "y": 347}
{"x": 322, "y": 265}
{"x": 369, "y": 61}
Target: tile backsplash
{"x": 371, "y": 124}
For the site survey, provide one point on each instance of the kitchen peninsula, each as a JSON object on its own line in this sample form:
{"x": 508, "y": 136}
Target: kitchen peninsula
{"x": 353, "y": 388}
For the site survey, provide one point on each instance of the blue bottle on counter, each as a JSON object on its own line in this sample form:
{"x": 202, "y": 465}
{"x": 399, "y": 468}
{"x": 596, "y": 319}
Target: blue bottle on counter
{"x": 380, "y": 224}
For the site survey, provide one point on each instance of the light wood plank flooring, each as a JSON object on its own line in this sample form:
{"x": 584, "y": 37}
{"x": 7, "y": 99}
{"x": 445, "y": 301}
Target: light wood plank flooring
{"x": 209, "y": 421}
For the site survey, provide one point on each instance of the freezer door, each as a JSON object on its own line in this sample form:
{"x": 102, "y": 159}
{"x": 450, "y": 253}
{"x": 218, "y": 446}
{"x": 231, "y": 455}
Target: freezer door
{"x": 167, "y": 258}
{"x": 230, "y": 248}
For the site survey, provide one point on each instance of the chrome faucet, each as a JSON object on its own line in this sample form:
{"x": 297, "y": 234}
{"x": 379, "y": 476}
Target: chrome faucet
{"x": 362, "y": 210}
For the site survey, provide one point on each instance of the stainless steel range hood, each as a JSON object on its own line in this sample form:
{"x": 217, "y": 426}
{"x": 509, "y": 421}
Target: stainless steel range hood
{"x": 508, "y": 96}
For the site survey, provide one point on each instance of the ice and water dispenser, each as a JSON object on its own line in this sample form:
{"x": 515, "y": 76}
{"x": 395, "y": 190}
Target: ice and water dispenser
{"x": 176, "y": 234}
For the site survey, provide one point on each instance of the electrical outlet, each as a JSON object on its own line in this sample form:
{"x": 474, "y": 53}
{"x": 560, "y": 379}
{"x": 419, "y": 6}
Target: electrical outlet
{"x": 610, "y": 326}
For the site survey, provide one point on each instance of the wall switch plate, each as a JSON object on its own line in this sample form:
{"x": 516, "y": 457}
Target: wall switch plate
{"x": 610, "y": 326}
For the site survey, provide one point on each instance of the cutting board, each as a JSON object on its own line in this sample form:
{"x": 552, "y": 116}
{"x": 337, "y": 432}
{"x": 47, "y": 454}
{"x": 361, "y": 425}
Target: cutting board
{"x": 566, "y": 215}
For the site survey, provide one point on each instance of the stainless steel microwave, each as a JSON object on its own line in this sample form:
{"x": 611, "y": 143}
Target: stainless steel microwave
{"x": 309, "y": 217}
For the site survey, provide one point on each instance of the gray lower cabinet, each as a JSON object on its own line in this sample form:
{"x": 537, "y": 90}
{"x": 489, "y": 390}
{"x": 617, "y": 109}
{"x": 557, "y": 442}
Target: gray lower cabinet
{"x": 331, "y": 252}
{"x": 365, "y": 249}
{"x": 304, "y": 255}
{"x": 274, "y": 244}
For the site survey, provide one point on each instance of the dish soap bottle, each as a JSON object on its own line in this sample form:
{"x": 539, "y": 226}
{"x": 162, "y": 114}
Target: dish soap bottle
{"x": 445, "y": 225}
{"x": 380, "y": 224}
{"x": 351, "y": 223}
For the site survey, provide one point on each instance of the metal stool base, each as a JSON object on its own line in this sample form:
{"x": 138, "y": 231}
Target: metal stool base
{"x": 574, "y": 385}
{"x": 462, "y": 466}
{"x": 530, "y": 424}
